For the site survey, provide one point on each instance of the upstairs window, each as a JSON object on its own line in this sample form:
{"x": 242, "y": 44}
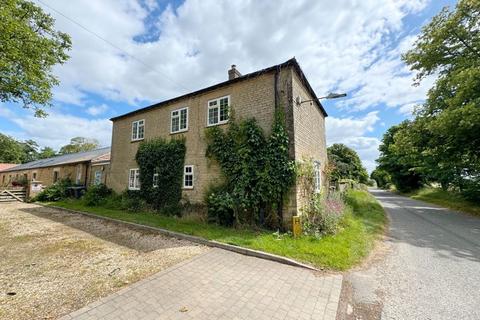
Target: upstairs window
{"x": 179, "y": 120}
{"x": 134, "y": 179}
{"x": 218, "y": 111}
{"x": 317, "y": 173}
{"x": 138, "y": 130}
{"x": 155, "y": 178}
{"x": 188, "y": 177}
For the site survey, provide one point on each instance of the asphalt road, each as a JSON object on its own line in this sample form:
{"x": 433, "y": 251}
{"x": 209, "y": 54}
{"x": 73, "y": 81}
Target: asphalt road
{"x": 431, "y": 265}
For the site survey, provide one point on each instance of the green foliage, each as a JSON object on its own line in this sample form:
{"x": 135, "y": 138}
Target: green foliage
{"x": 323, "y": 214}
{"x": 400, "y": 159}
{"x": 46, "y": 152}
{"x": 220, "y": 206}
{"x": 96, "y": 195}
{"x": 55, "y": 192}
{"x": 441, "y": 143}
{"x": 346, "y": 164}
{"x": 382, "y": 178}
{"x": 257, "y": 170}
{"x": 30, "y": 47}
{"x": 165, "y": 158}
{"x": 79, "y": 144}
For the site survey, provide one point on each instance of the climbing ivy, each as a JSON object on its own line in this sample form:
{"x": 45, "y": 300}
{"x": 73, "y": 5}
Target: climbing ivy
{"x": 257, "y": 169}
{"x": 166, "y": 159}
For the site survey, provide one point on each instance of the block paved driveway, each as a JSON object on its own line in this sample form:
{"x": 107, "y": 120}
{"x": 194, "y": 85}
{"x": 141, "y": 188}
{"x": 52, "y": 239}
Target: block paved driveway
{"x": 223, "y": 285}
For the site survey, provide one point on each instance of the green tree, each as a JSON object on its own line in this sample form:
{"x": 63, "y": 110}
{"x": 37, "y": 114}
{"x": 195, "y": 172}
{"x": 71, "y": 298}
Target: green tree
{"x": 46, "y": 152}
{"x": 381, "y": 177}
{"x": 346, "y": 164}
{"x": 400, "y": 158}
{"x": 449, "y": 46}
{"x": 79, "y": 144}
{"x": 11, "y": 150}
{"x": 29, "y": 48}
{"x": 30, "y": 150}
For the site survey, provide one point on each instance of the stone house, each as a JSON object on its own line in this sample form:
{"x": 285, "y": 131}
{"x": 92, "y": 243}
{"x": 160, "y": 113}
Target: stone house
{"x": 256, "y": 95}
{"x": 83, "y": 168}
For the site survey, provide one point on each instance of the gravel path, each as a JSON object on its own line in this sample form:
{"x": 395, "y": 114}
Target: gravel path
{"x": 431, "y": 269}
{"x": 53, "y": 262}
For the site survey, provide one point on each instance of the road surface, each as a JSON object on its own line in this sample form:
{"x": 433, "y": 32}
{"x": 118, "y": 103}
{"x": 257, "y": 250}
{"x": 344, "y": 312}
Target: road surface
{"x": 430, "y": 268}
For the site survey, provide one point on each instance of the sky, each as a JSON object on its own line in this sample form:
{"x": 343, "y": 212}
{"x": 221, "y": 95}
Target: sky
{"x": 155, "y": 50}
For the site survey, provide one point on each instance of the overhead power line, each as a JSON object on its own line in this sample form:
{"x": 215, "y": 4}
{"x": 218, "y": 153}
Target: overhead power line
{"x": 112, "y": 44}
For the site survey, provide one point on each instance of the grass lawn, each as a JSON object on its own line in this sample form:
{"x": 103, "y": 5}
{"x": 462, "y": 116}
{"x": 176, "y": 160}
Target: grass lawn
{"x": 360, "y": 229}
{"x": 446, "y": 199}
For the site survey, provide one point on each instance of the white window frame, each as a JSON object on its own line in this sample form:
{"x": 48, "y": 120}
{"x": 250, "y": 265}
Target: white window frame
{"x": 136, "y": 131}
{"x": 155, "y": 178}
{"x": 97, "y": 179}
{"x": 185, "y": 173}
{"x": 179, "y": 111}
{"x": 317, "y": 176}
{"x": 136, "y": 179}
{"x": 218, "y": 111}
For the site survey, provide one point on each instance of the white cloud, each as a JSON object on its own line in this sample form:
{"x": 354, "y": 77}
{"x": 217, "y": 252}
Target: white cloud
{"x": 338, "y": 44}
{"x": 341, "y": 45}
{"x": 97, "y": 110}
{"x": 56, "y": 130}
{"x": 352, "y": 132}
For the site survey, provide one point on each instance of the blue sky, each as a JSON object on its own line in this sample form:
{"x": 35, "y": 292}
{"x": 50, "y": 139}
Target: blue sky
{"x": 342, "y": 46}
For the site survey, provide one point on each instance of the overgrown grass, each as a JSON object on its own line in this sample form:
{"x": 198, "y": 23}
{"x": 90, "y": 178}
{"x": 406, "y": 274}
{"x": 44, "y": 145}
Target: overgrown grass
{"x": 360, "y": 227}
{"x": 447, "y": 199}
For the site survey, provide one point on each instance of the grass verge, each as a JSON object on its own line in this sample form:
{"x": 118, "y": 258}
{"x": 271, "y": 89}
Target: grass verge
{"x": 446, "y": 199}
{"x": 360, "y": 227}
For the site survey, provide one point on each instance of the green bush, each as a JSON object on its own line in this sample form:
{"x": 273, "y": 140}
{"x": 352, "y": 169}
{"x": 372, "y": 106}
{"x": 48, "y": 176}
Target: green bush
{"x": 96, "y": 195}
{"x": 220, "y": 207}
{"x": 55, "y": 192}
{"x": 133, "y": 201}
{"x": 323, "y": 214}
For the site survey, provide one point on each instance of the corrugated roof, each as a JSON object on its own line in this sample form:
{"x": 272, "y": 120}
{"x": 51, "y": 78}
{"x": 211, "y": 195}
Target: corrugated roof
{"x": 63, "y": 159}
{"x": 292, "y": 62}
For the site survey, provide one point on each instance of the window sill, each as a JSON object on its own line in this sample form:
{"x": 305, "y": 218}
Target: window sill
{"x": 187, "y": 188}
{"x": 136, "y": 140}
{"x": 217, "y": 124}
{"x": 181, "y": 131}
{"x": 134, "y": 189}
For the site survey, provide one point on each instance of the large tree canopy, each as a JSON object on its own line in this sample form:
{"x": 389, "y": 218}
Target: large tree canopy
{"x": 79, "y": 144}
{"x": 29, "y": 48}
{"x": 442, "y": 143}
{"x": 346, "y": 164}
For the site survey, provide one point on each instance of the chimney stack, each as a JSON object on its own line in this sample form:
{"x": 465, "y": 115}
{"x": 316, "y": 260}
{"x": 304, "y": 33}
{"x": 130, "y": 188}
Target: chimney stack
{"x": 233, "y": 73}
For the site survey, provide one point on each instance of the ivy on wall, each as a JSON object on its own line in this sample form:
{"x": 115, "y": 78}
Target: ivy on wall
{"x": 165, "y": 159}
{"x": 257, "y": 169}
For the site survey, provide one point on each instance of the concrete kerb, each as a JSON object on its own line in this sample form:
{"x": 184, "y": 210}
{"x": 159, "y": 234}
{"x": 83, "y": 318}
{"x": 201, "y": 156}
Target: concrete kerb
{"x": 182, "y": 236}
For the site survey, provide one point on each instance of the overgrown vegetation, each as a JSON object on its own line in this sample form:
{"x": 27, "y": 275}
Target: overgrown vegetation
{"x": 161, "y": 171}
{"x": 257, "y": 172}
{"x": 56, "y": 191}
{"x": 441, "y": 144}
{"x": 96, "y": 195}
{"x": 449, "y": 199}
{"x": 358, "y": 230}
{"x": 321, "y": 213}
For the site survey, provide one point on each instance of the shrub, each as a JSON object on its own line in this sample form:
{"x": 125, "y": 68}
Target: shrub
{"x": 220, "y": 207}
{"x": 322, "y": 215}
{"x": 132, "y": 201}
{"x": 55, "y": 192}
{"x": 96, "y": 195}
